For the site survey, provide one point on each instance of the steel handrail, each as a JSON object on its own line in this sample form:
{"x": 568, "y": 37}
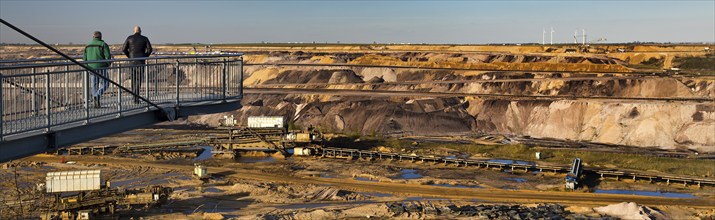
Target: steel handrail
{"x": 71, "y": 106}
{"x": 199, "y": 55}
{"x": 87, "y": 68}
{"x": 20, "y": 66}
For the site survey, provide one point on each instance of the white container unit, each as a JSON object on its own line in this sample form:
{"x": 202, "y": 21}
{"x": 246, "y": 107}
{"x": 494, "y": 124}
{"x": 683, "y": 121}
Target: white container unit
{"x": 299, "y": 151}
{"x": 200, "y": 171}
{"x": 266, "y": 122}
{"x": 72, "y": 181}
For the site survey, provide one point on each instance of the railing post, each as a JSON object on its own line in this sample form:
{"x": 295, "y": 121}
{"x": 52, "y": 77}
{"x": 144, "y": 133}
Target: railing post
{"x": 198, "y": 80}
{"x": 196, "y": 76}
{"x": 66, "y": 93}
{"x": 176, "y": 73}
{"x": 47, "y": 101}
{"x": 2, "y": 106}
{"x": 85, "y": 93}
{"x": 146, "y": 80}
{"x": 119, "y": 90}
{"x": 241, "y": 81}
{"x": 223, "y": 80}
{"x": 33, "y": 93}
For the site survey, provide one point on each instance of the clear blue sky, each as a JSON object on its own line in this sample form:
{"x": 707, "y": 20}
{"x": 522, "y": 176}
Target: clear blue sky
{"x": 360, "y": 21}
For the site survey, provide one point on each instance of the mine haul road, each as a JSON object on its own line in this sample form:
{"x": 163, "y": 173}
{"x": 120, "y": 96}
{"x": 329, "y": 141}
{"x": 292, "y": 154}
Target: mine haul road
{"x": 234, "y": 170}
{"x": 388, "y": 93}
{"x": 634, "y": 72}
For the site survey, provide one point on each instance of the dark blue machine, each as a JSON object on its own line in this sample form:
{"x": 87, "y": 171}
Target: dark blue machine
{"x": 573, "y": 176}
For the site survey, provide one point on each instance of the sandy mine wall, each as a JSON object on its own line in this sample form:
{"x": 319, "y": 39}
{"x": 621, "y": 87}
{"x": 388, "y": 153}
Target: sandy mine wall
{"x": 389, "y": 79}
{"x": 664, "y": 125}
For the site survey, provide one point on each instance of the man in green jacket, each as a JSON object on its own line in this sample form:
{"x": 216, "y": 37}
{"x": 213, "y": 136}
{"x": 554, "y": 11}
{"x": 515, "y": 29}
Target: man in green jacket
{"x": 98, "y": 50}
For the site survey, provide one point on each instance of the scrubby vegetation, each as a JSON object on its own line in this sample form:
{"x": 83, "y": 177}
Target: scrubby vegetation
{"x": 679, "y": 166}
{"x": 702, "y": 65}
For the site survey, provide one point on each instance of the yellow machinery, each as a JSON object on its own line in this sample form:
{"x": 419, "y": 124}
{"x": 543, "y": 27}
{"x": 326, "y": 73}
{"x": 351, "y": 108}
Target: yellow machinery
{"x": 263, "y": 133}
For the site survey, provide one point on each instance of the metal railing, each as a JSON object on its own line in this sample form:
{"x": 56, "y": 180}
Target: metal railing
{"x": 42, "y": 96}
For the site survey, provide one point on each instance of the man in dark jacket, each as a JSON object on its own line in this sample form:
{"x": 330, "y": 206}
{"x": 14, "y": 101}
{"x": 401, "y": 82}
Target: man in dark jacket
{"x": 98, "y": 50}
{"x": 137, "y": 46}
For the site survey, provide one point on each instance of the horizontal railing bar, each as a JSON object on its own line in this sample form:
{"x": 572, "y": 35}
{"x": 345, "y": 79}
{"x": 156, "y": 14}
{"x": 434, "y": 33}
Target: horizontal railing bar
{"x": 9, "y": 67}
{"x": 115, "y": 54}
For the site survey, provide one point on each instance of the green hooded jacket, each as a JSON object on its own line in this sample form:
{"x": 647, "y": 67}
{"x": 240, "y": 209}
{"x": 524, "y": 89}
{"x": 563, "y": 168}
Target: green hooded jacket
{"x": 97, "y": 50}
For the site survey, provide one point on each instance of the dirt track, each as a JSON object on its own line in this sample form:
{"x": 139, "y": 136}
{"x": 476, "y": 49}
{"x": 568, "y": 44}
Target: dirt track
{"x": 492, "y": 195}
{"x": 355, "y": 92}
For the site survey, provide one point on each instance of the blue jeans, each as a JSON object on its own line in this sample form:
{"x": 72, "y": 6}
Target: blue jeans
{"x": 99, "y": 85}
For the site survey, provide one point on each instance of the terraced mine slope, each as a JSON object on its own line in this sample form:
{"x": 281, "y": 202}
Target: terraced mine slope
{"x": 610, "y": 94}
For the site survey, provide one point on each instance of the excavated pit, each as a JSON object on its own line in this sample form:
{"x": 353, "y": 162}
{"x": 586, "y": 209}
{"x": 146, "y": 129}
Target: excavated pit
{"x": 681, "y": 118}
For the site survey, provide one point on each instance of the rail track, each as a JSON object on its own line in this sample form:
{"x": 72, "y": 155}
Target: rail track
{"x": 328, "y": 152}
{"x": 514, "y": 166}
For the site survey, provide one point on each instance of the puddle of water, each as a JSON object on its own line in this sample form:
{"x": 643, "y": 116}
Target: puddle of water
{"x": 325, "y": 175}
{"x": 132, "y": 132}
{"x": 409, "y": 174}
{"x": 183, "y": 178}
{"x": 509, "y": 188}
{"x": 423, "y": 198}
{"x": 457, "y": 186}
{"x": 518, "y": 162}
{"x": 647, "y": 193}
{"x": 451, "y": 157}
{"x": 140, "y": 182}
{"x": 365, "y": 179}
{"x": 205, "y": 154}
{"x": 518, "y": 180}
{"x": 123, "y": 183}
{"x": 267, "y": 159}
{"x": 184, "y": 188}
{"x": 377, "y": 194}
{"x": 212, "y": 190}
{"x": 318, "y": 205}
{"x": 216, "y": 207}
{"x": 304, "y": 206}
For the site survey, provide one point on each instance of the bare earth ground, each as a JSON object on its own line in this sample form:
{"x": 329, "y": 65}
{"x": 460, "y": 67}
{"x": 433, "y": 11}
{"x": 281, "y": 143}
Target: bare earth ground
{"x": 399, "y": 90}
{"x": 311, "y": 187}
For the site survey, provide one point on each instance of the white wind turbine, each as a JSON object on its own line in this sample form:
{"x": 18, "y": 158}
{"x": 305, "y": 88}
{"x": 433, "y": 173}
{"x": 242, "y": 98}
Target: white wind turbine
{"x": 583, "y": 35}
{"x": 575, "y": 33}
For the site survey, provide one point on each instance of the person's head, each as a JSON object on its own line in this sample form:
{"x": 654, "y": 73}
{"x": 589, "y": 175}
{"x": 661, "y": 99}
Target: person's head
{"x": 137, "y": 30}
{"x": 97, "y": 35}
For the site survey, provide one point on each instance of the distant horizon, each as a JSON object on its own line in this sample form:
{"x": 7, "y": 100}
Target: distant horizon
{"x": 363, "y": 22}
{"x": 356, "y": 43}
